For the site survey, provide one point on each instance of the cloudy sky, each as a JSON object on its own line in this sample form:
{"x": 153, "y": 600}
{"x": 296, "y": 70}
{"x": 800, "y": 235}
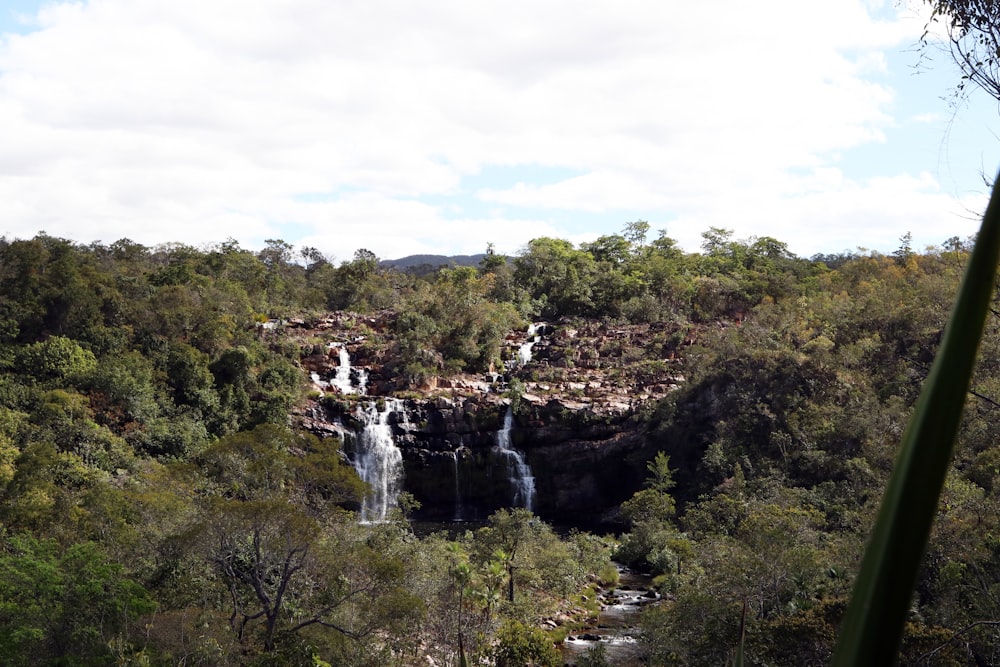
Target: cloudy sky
{"x": 441, "y": 126}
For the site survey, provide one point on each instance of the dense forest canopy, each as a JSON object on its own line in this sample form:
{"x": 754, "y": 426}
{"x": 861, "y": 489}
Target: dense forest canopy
{"x": 157, "y": 507}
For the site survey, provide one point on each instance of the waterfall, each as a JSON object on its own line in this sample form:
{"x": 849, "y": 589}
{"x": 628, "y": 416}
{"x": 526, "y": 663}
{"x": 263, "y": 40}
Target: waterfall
{"x": 524, "y": 352}
{"x": 378, "y": 461}
{"x": 459, "y": 513}
{"x": 342, "y": 379}
{"x": 318, "y": 381}
{"x": 362, "y": 381}
{"x": 518, "y": 470}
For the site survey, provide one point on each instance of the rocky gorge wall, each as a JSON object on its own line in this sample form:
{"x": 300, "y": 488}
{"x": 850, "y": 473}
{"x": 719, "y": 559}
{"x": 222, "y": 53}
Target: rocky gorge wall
{"x": 584, "y": 466}
{"x": 577, "y": 423}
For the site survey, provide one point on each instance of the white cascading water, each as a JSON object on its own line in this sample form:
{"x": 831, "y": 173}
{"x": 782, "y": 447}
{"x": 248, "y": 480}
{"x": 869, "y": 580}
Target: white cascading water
{"x": 518, "y": 470}
{"x": 378, "y": 461}
{"x": 524, "y": 352}
{"x": 459, "y": 513}
{"x": 342, "y": 379}
{"x": 362, "y": 382}
{"x": 318, "y": 381}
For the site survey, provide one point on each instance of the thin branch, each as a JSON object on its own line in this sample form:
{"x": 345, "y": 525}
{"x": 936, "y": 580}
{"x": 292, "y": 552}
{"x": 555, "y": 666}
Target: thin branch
{"x": 247, "y": 619}
{"x": 986, "y": 399}
{"x": 936, "y": 650}
{"x": 326, "y": 624}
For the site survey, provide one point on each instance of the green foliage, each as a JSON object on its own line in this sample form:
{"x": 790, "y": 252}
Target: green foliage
{"x": 31, "y": 496}
{"x": 57, "y": 359}
{"x": 782, "y": 438}
{"x": 873, "y": 625}
{"x": 453, "y": 325}
{"x": 275, "y": 461}
{"x": 360, "y": 285}
{"x": 190, "y": 379}
{"x": 175, "y": 438}
{"x": 519, "y": 645}
{"x": 127, "y": 390}
{"x": 63, "y": 606}
{"x": 531, "y": 554}
{"x": 142, "y": 408}
{"x": 594, "y": 657}
{"x": 558, "y": 277}
{"x": 291, "y": 579}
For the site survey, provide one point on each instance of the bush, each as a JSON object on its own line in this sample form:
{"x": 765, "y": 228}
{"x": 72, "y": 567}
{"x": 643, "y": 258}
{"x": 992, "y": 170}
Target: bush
{"x": 521, "y": 646}
{"x": 57, "y": 359}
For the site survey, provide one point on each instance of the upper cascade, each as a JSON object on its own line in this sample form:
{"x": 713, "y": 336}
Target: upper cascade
{"x": 344, "y": 378}
{"x": 533, "y": 336}
{"x": 583, "y": 365}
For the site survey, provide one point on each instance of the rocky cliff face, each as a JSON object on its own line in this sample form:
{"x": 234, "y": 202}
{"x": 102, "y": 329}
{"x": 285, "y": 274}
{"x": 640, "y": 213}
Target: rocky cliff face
{"x": 576, "y": 403}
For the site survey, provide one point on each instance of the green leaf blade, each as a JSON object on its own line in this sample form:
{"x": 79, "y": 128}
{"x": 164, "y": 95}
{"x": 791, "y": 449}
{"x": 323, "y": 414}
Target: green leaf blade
{"x": 873, "y": 625}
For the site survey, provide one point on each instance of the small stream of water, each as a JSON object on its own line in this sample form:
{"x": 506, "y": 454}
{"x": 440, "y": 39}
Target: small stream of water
{"x": 524, "y": 352}
{"x": 615, "y": 628}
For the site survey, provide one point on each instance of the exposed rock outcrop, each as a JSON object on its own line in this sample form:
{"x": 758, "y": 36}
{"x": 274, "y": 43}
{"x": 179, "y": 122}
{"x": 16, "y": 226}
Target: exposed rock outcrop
{"x": 577, "y": 405}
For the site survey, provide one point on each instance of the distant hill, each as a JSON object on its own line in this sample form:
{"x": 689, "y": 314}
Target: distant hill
{"x": 421, "y": 264}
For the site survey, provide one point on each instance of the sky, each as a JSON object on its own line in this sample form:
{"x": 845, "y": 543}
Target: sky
{"x": 442, "y": 127}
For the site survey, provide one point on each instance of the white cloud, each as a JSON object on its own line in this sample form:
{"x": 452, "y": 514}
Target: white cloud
{"x": 836, "y": 214}
{"x": 369, "y": 221}
{"x": 928, "y": 117}
{"x": 192, "y": 121}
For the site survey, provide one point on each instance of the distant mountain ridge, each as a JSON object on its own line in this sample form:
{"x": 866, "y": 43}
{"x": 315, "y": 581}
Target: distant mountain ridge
{"x": 428, "y": 263}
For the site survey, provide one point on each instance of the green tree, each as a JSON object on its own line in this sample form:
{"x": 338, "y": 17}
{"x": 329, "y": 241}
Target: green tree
{"x": 32, "y": 497}
{"x": 22, "y": 311}
{"x": 452, "y": 324}
{"x": 492, "y": 262}
{"x": 190, "y": 378}
{"x": 63, "y": 606}
{"x": 123, "y": 390}
{"x": 361, "y": 285}
{"x": 289, "y": 576}
{"x": 614, "y": 249}
{"x": 636, "y": 233}
{"x": 529, "y": 553}
{"x": 558, "y": 277}
{"x": 653, "y": 540}
{"x": 653, "y": 503}
{"x": 273, "y": 460}
{"x": 461, "y": 572}
{"x": 508, "y": 538}
{"x": 519, "y": 645}
{"x": 57, "y": 359}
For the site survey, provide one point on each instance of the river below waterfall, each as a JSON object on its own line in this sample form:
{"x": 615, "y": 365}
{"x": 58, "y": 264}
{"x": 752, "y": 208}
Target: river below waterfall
{"x": 615, "y": 628}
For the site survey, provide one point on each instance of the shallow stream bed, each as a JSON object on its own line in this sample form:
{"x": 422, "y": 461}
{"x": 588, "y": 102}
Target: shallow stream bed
{"x": 615, "y": 628}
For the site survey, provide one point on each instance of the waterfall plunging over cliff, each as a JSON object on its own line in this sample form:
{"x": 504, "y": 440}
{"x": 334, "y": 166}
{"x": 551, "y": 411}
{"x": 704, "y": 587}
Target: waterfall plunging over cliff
{"x": 378, "y": 460}
{"x": 518, "y": 470}
{"x": 459, "y": 514}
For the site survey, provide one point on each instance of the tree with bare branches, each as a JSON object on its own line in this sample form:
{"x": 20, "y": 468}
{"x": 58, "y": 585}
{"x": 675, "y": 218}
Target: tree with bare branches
{"x": 972, "y": 29}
